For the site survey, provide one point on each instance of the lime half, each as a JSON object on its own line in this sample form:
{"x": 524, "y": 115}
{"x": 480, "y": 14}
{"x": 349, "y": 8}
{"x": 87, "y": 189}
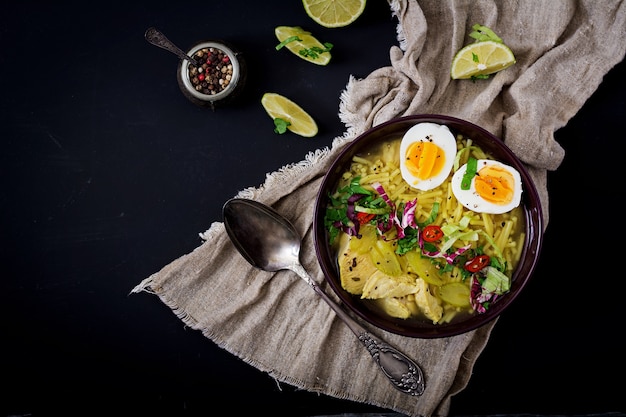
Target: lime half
{"x": 334, "y": 13}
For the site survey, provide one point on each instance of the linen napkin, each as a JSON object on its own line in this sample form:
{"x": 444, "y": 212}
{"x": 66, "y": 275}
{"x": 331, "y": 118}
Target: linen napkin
{"x": 563, "y": 49}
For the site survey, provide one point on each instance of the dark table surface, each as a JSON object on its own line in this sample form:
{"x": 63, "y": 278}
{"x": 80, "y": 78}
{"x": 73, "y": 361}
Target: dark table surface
{"x": 109, "y": 174}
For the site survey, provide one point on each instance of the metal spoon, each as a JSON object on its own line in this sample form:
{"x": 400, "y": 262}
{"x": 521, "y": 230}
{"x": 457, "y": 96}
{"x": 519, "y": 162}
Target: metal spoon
{"x": 156, "y": 37}
{"x": 268, "y": 241}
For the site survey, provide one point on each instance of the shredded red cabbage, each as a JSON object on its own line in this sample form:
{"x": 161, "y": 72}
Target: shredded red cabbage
{"x": 480, "y": 300}
{"x": 449, "y": 257}
{"x": 382, "y": 225}
{"x": 408, "y": 215}
{"x": 383, "y": 194}
{"x": 353, "y": 228}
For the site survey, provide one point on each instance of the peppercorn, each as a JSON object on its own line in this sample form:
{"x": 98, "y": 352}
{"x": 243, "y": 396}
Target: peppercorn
{"x": 215, "y": 73}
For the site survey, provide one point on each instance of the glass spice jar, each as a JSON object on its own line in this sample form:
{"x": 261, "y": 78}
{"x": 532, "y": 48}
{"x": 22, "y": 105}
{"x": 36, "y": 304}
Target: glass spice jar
{"x": 218, "y": 79}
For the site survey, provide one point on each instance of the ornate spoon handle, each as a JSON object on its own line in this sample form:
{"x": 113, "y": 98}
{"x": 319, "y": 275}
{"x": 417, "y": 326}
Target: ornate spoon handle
{"x": 401, "y": 370}
{"x": 157, "y": 38}
{"x": 403, "y": 373}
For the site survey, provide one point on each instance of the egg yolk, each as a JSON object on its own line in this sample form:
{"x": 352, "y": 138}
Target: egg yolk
{"x": 424, "y": 159}
{"x": 495, "y": 184}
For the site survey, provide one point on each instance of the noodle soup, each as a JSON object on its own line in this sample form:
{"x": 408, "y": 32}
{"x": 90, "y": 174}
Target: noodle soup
{"x": 419, "y": 255}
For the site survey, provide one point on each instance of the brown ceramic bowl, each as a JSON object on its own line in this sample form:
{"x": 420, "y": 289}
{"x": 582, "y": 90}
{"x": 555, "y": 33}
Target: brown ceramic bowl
{"x": 531, "y": 208}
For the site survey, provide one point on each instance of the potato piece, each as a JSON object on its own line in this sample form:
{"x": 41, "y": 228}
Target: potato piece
{"x": 423, "y": 267}
{"x": 367, "y": 240}
{"x": 381, "y": 285}
{"x": 385, "y": 259}
{"x": 354, "y": 268}
{"x": 428, "y": 303}
{"x": 456, "y": 294}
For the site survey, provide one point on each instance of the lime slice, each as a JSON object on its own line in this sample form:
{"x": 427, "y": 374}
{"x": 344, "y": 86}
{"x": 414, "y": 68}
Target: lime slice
{"x": 279, "y": 107}
{"x": 334, "y": 13}
{"x": 481, "y": 59}
{"x": 303, "y": 44}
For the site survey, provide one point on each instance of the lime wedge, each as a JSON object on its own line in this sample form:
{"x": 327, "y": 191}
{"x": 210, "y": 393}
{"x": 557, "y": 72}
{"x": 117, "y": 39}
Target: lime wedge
{"x": 280, "y": 107}
{"x": 481, "y": 59}
{"x": 303, "y": 44}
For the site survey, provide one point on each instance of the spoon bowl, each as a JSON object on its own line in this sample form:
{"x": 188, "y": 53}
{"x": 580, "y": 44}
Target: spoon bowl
{"x": 266, "y": 240}
{"x": 269, "y": 242}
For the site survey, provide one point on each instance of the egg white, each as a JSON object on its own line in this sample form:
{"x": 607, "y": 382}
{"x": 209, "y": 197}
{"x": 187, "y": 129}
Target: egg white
{"x": 473, "y": 201}
{"x": 441, "y": 136}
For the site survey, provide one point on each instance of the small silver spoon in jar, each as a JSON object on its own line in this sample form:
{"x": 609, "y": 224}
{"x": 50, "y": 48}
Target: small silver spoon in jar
{"x": 156, "y": 37}
{"x": 269, "y": 242}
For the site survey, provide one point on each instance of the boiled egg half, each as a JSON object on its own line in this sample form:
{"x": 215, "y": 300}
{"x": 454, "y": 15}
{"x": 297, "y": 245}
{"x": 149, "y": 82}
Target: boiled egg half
{"x": 427, "y": 154}
{"x": 496, "y": 188}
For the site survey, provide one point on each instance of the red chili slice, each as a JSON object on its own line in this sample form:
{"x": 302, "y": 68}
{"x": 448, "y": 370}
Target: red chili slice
{"x": 432, "y": 233}
{"x": 478, "y": 263}
{"x": 364, "y": 217}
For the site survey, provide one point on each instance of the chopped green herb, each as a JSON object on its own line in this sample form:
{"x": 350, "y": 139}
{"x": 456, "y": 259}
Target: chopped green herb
{"x": 409, "y": 242}
{"x": 286, "y": 41}
{"x": 280, "y": 125}
{"x": 479, "y": 77}
{"x": 315, "y": 51}
{"x": 470, "y": 172}
{"x": 475, "y": 57}
{"x": 355, "y": 187}
{"x": 433, "y": 215}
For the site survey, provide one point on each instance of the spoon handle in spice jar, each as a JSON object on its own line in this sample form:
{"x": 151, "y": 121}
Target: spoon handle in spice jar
{"x": 402, "y": 371}
{"x": 157, "y": 38}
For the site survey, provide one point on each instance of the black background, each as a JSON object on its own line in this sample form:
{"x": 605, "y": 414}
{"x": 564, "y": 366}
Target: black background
{"x": 109, "y": 174}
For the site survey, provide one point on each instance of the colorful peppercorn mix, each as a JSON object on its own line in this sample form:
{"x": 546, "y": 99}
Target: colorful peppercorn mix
{"x": 215, "y": 74}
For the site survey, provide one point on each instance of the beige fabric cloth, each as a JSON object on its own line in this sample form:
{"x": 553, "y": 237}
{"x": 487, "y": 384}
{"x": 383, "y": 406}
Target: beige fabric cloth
{"x": 274, "y": 321}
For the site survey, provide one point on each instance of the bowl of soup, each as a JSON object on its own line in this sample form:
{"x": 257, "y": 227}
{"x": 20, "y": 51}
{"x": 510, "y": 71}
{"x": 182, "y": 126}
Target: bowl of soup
{"x": 427, "y": 226}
